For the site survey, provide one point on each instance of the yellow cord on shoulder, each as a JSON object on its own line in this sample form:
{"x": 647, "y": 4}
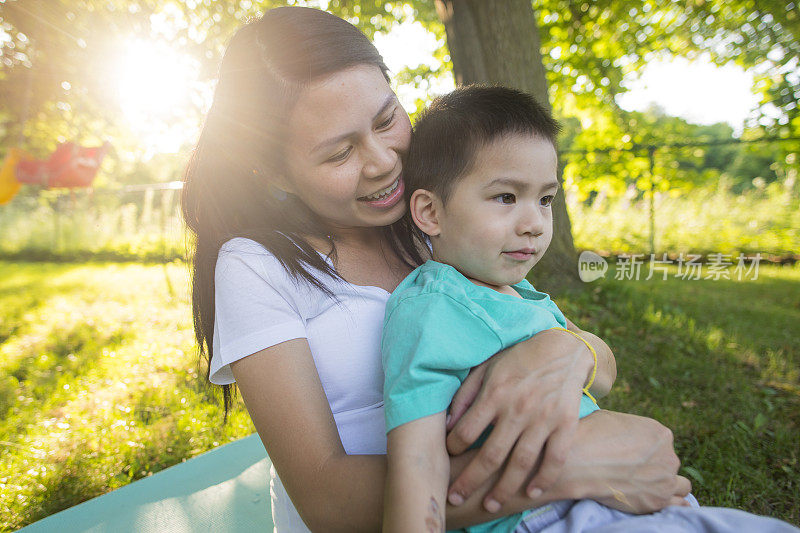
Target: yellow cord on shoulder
{"x": 594, "y": 355}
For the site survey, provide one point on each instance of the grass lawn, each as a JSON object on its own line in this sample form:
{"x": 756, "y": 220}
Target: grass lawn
{"x": 99, "y": 383}
{"x": 719, "y": 363}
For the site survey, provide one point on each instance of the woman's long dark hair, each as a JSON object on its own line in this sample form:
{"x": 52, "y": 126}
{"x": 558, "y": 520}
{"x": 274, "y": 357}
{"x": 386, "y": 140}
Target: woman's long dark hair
{"x": 227, "y": 191}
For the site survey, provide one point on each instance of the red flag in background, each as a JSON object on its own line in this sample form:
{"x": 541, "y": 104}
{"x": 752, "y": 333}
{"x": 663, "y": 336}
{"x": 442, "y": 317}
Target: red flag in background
{"x": 69, "y": 166}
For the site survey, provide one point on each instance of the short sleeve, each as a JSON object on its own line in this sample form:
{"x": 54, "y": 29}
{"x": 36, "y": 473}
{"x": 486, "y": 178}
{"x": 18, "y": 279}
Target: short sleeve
{"x": 543, "y": 299}
{"x": 253, "y": 307}
{"x": 430, "y": 341}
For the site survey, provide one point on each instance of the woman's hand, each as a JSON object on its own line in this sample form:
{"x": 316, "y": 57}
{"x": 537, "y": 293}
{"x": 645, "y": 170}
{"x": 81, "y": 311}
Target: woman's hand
{"x": 531, "y": 393}
{"x": 624, "y": 461}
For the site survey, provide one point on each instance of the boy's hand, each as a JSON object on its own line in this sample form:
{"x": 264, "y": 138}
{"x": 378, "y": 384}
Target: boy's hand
{"x": 531, "y": 393}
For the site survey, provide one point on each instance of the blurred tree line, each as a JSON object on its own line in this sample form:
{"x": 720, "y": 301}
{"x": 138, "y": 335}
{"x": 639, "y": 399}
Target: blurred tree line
{"x": 60, "y": 59}
{"x": 593, "y": 165}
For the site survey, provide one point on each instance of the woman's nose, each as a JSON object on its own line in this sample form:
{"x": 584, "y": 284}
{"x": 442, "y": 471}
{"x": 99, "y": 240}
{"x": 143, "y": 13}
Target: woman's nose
{"x": 380, "y": 157}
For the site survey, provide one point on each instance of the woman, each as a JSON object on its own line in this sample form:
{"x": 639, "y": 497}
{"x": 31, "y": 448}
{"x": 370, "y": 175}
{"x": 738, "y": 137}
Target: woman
{"x": 295, "y": 196}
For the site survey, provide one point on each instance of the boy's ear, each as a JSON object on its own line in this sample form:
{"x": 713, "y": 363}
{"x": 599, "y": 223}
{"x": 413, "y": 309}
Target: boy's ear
{"x": 425, "y": 208}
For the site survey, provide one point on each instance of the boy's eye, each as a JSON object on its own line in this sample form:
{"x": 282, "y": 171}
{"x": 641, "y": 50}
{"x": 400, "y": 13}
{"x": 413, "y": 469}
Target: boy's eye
{"x": 386, "y": 123}
{"x": 341, "y": 156}
{"x": 547, "y": 200}
{"x": 506, "y": 198}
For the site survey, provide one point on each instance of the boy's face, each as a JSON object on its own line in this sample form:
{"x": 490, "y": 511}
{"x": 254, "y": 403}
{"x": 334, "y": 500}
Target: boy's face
{"x": 498, "y": 221}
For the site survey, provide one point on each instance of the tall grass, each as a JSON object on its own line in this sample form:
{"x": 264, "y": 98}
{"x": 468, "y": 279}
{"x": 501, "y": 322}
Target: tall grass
{"x": 147, "y": 225}
{"x": 707, "y": 219}
{"x": 140, "y": 225}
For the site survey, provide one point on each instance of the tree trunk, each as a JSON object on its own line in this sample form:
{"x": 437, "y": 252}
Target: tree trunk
{"x": 497, "y": 41}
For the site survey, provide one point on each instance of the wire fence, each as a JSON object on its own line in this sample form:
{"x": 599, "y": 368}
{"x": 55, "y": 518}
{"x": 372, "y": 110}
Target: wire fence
{"x": 143, "y": 221}
{"x": 136, "y": 222}
{"x": 650, "y": 151}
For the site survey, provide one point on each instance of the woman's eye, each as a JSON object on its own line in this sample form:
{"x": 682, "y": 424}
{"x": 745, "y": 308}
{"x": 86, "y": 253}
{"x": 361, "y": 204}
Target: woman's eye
{"x": 386, "y": 123}
{"x": 547, "y": 200}
{"x": 506, "y": 198}
{"x": 341, "y": 156}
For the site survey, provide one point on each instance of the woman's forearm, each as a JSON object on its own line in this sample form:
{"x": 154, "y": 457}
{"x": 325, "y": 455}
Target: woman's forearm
{"x": 606, "y": 369}
{"x": 347, "y": 495}
{"x": 623, "y": 461}
{"x": 350, "y": 497}
{"x": 606, "y": 365}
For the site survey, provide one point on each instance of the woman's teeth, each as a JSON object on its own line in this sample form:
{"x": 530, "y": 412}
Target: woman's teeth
{"x": 385, "y": 192}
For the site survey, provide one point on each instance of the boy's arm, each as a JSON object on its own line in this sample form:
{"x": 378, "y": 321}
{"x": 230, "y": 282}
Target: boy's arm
{"x": 418, "y": 474}
{"x": 606, "y": 364}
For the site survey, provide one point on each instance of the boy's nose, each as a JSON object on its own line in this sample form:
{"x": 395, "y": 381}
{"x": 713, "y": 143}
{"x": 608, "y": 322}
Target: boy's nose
{"x": 531, "y": 222}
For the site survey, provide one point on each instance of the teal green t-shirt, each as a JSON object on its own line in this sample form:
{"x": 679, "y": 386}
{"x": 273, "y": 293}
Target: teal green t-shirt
{"x": 437, "y": 326}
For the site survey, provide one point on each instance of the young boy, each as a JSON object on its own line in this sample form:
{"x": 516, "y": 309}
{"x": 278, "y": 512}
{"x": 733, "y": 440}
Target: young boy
{"x": 482, "y": 173}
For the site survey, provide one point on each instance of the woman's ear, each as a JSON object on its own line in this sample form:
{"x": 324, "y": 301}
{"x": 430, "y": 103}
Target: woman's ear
{"x": 425, "y": 209}
{"x": 279, "y": 187}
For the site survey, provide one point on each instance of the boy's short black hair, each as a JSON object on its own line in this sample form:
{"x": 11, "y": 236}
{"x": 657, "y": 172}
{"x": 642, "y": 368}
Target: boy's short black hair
{"x": 448, "y": 134}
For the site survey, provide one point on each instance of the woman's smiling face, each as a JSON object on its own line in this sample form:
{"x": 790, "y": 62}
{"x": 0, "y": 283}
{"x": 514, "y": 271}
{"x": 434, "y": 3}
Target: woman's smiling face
{"x": 347, "y": 135}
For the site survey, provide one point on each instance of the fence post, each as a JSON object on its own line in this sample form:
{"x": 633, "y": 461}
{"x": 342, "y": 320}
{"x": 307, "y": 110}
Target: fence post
{"x": 651, "y": 151}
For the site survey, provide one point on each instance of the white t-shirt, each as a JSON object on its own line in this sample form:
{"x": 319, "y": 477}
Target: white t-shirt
{"x": 258, "y": 304}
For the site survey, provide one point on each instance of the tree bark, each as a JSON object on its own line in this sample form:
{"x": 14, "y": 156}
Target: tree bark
{"x": 497, "y": 41}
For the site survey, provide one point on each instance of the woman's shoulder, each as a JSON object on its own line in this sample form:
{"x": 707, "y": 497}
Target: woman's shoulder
{"x": 241, "y": 252}
{"x": 246, "y": 264}
{"x": 243, "y": 245}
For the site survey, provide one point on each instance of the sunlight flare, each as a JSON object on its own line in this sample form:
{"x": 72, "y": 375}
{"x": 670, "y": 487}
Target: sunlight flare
{"x": 156, "y": 89}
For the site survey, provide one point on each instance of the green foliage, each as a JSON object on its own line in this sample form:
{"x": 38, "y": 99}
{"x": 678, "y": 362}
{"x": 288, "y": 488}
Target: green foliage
{"x": 372, "y": 16}
{"x": 61, "y": 61}
{"x": 611, "y": 152}
{"x": 608, "y": 150}
{"x": 590, "y": 46}
{"x": 764, "y": 35}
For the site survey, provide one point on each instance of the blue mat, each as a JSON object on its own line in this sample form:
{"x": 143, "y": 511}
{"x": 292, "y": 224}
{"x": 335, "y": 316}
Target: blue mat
{"x": 226, "y": 489}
